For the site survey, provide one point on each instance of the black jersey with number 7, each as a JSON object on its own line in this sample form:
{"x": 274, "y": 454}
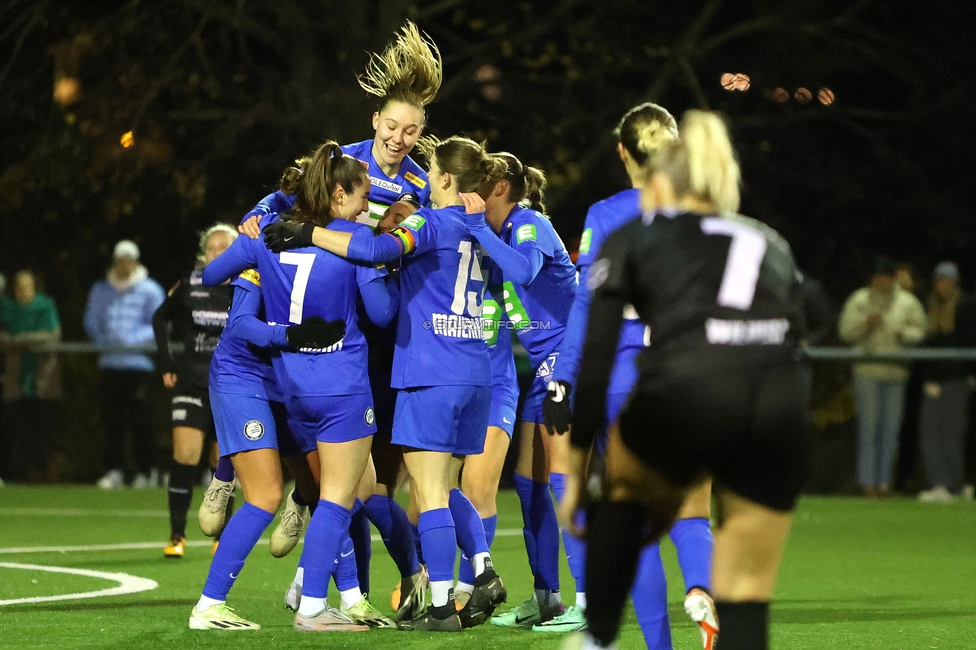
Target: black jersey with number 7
{"x": 708, "y": 286}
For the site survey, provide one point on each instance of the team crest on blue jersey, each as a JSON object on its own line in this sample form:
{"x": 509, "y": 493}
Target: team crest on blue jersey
{"x": 370, "y": 416}
{"x": 254, "y": 430}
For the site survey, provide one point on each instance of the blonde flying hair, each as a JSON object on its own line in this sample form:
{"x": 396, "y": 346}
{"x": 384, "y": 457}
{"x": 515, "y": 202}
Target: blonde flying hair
{"x": 701, "y": 163}
{"x": 209, "y": 232}
{"x": 409, "y": 70}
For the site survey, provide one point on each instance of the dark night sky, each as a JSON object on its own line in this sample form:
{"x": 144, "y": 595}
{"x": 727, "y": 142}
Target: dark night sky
{"x": 221, "y": 98}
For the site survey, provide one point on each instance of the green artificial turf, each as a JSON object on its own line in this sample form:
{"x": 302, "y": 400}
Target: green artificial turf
{"x": 891, "y": 574}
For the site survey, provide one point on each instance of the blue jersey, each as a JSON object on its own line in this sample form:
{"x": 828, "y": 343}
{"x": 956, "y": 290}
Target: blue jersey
{"x": 602, "y": 220}
{"x": 538, "y": 310}
{"x": 410, "y": 182}
{"x": 384, "y": 190}
{"x": 498, "y": 336}
{"x": 440, "y": 335}
{"x": 239, "y": 367}
{"x": 298, "y": 284}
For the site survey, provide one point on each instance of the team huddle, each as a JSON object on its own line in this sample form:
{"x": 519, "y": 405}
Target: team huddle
{"x": 371, "y": 306}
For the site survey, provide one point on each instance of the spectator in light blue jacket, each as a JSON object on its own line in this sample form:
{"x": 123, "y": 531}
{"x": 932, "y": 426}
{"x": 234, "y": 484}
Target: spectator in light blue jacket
{"x": 119, "y": 312}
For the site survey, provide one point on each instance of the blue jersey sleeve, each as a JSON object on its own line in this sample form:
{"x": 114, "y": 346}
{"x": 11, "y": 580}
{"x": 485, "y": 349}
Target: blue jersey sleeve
{"x": 369, "y": 248}
{"x": 415, "y": 235}
{"x": 275, "y": 202}
{"x": 381, "y": 300}
{"x": 240, "y": 256}
{"x": 516, "y": 266}
{"x": 571, "y": 348}
{"x": 243, "y": 322}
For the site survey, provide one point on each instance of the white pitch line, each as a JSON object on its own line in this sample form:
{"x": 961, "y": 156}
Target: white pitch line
{"x": 128, "y": 584}
{"x": 137, "y": 546}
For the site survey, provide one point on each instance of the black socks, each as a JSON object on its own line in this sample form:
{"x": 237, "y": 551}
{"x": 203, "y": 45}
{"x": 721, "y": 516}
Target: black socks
{"x": 743, "y": 625}
{"x": 615, "y": 539}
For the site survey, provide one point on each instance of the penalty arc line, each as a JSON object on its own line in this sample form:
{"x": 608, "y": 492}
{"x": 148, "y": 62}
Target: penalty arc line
{"x": 127, "y": 584}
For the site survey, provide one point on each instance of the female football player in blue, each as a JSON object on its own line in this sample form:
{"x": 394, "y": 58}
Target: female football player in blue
{"x": 641, "y": 133}
{"x": 441, "y": 360}
{"x": 336, "y": 411}
{"x": 405, "y": 78}
{"x": 538, "y": 284}
{"x": 482, "y": 472}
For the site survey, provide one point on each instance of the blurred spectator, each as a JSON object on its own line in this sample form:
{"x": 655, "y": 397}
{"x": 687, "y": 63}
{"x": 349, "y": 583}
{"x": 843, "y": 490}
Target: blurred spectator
{"x": 905, "y": 277}
{"x": 31, "y": 382}
{"x": 879, "y": 318}
{"x": 119, "y": 312}
{"x": 948, "y": 386}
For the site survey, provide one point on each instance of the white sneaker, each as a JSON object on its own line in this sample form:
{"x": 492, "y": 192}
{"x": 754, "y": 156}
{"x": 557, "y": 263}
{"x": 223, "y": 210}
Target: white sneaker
{"x": 219, "y": 617}
{"x": 213, "y": 510}
{"x": 329, "y": 619}
{"x": 140, "y": 482}
{"x": 938, "y": 494}
{"x": 968, "y": 491}
{"x": 701, "y": 608}
{"x": 293, "y": 597}
{"x": 290, "y": 528}
{"x": 113, "y": 480}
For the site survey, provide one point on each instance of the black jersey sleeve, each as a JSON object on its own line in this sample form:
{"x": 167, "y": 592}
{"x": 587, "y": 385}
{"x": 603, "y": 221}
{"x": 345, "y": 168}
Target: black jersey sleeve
{"x": 609, "y": 283}
{"x": 162, "y": 321}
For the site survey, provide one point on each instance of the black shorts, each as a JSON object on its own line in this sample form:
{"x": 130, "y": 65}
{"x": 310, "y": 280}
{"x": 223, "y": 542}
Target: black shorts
{"x": 748, "y": 428}
{"x": 191, "y": 408}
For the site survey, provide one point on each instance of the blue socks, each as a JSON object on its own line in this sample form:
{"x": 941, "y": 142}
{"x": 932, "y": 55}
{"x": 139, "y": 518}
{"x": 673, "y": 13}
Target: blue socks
{"x": 225, "y": 470}
{"x": 346, "y": 568}
{"x": 575, "y": 547}
{"x": 240, "y": 536}
{"x": 467, "y": 524}
{"x": 323, "y": 540}
{"x": 650, "y": 597}
{"x": 541, "y": 531}
{"x": 440, "y": 550}
{"x": 466, "y": 570}
{"x": 417, "y": 546}
{"x": 360, "y": 533}
{"x": 694, "y": 541}
{"x": 391, "y": 521}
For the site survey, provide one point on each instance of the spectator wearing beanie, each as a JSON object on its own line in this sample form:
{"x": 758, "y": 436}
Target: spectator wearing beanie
{"x": 948, "y": 386}
{"x": 119, "y": 312}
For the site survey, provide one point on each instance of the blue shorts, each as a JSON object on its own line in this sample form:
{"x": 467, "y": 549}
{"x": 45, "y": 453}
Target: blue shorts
{"x": 452, "y": 419}
{"x": 615, "y": 404}
{"x": 243, "y": 422}
{"x": 331, "y": 418}
{"x": 288, "y": 444}
{"x": 532, "y": 408}
{"x": 502, "y": 415}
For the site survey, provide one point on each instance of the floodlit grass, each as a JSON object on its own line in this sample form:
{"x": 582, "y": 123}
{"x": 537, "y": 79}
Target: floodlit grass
{"x": 857, "y": 574}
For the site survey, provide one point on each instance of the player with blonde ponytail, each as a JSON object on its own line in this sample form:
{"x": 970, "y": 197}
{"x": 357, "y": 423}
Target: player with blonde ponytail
{"x": 643, "y": 131}
{"x": 718, "y": 393}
